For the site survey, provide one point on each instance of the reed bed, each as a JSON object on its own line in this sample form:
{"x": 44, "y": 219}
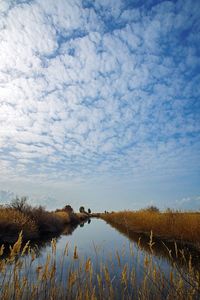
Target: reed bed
{"x": 72, "y": 277}
{"x": 176, "y": 226}
{"x": 12, "y": 222}
{"x": 35, "y": 222}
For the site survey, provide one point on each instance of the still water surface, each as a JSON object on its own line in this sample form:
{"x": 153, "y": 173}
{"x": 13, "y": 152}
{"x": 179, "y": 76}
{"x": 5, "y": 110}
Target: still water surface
{"x": 105, "y": 246}
{"x": 100, "y": 242}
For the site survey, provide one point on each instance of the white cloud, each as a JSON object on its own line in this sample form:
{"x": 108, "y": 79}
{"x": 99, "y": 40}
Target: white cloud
{"x": 98, "y": 89}
{"x": 188, "y": 203}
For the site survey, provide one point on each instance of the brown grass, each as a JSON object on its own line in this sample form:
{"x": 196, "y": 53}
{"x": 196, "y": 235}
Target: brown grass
{"x": 46, "y": 221}
{"x": 64, "y": 216}
{"x": 21, "y": 279}
{"x": 13, "y": 221}
{"x": 34, "y": 222}
{"x": 168, "y": 225}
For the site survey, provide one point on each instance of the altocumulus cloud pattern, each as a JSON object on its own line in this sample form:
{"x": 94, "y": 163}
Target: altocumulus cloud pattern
{"x": 104, "y": 88}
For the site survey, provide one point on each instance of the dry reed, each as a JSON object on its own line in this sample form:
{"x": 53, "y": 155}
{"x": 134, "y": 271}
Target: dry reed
{"x": 21, "y": 278}
{"x": 183, "y": 226}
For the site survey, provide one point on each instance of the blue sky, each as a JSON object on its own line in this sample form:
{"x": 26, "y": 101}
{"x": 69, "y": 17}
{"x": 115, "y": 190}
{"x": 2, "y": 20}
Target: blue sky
{"x": 100, "y": 103}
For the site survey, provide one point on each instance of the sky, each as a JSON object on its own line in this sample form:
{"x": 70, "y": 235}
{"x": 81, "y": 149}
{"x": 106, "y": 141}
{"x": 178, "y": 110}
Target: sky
{"x": 100, "y": 103}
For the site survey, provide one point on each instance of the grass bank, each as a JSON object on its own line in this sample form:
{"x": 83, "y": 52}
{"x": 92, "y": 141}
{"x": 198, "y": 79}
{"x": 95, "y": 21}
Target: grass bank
{"x": 34, "y": 222}
{"x": 172, "y": 226}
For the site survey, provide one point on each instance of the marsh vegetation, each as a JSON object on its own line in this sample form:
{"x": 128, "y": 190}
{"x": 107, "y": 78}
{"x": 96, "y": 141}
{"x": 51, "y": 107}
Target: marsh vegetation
{"x": 98, "y": 261}
{"x": 34, "y": 222}
{"x": 169, "y": 225}
{"x": 72, "y": 276}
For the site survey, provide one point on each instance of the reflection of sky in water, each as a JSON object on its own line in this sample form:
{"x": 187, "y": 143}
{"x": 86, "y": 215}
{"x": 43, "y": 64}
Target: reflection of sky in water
{"x": 100, "y": 242}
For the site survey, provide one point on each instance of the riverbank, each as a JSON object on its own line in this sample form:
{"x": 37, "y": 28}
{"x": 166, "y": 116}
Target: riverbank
{"x": 181, "y": 227}
{"x": 34, "y": 222}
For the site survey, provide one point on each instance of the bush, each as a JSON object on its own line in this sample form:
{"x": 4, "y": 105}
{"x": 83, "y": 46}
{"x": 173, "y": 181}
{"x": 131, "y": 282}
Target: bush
{"x": 82, "y": 209}
{"x": 152, "y": 209}
{"x": 12, "y": 222}
{"x": 24, "y": 217}
{"x": 63, "y": 215}
{"x": 19, "y": 204}
{"x": 68, "y": 209}
{"x": 47, "y": 222}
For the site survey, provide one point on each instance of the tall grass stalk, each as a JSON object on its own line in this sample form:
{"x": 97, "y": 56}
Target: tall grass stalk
{"x": 180, "y": 226}
{"x": 23, "y": 277}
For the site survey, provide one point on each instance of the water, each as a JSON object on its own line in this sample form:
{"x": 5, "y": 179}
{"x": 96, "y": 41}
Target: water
{"x": 97, "y": 238}
{"x": 100, "y": 242}
{"x": 109, "y": 246}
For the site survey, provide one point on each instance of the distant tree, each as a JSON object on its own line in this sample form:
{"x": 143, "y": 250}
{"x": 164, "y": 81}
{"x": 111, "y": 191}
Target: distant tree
{"x": 68, "y": 209}
{"x": 89, "y": 211}
{"x": 152, "y": 208}
{"x": 82, "y": 209}
{"x": 19, "y": 203}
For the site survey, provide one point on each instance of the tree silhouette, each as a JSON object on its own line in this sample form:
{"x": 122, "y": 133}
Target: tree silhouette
{"x": 82, "y": 209}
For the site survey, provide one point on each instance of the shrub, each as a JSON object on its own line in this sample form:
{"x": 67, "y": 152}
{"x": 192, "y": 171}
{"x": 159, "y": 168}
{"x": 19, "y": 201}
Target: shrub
{"x": 82, "y": 209}
{"x": 47, "y": 222}
{"x": 42, "y": 221}
{"x": 13, "y": 221}
{"x": 63, "y": 215}
{"x": 152, "y": 209}
{"x": 19, "y": 204}
{"x": 68, "y": 209}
